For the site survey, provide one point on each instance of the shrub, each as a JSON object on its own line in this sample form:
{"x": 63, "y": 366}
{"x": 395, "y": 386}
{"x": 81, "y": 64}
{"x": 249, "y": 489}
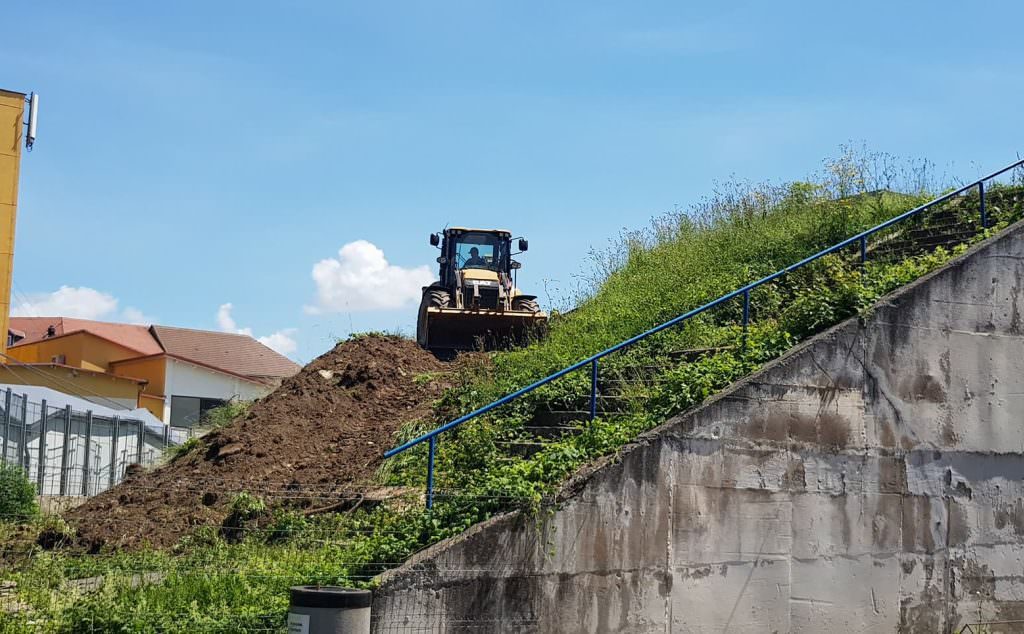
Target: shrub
{"x": 17, "y": 495}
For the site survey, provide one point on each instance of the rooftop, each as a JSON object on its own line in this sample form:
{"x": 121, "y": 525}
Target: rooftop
{"x": 238, "y": 354}
{"x": 132, "y": 336}
{"x": 233, "y": 353}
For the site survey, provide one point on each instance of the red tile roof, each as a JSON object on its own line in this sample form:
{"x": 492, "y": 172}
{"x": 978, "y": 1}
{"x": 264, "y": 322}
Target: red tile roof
{"x": 130, "y": 336}
{"x": 237, "y": 354}
{"x": 240, "y": 355}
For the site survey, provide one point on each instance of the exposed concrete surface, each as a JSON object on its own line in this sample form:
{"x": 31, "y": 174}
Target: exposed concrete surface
{"x": 868, "y": 481}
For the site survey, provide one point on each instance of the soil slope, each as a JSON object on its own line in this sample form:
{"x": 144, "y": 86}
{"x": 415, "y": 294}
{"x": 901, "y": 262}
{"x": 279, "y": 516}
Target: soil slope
{"x": 315, "y": 440}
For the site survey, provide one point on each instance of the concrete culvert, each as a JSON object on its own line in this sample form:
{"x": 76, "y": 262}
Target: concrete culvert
{"x": 329, "y": 610}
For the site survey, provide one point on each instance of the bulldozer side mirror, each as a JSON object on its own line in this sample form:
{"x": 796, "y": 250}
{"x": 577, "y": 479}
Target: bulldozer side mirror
{"x": 434, "y": 240}
{"x": 523, "y": 244}
{"x": 515, "y": 265}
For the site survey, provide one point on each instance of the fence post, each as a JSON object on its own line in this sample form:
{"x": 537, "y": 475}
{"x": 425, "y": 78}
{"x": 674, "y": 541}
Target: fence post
{"x": 430, "y": 473}
{"x": 23, "y": 450}
{"x": 41, "y": 467}
{"x": 88, "y": 453}
{"x": 167, "y": 436}
{"x": 113, "y": 451}
{"x": 593, "y": 390}
{"x": 984, "y": 214}
{"x": 746, "y": 315}
{"x": 7, "y": 422}
{"x": 141, "y": 441}
{"x": 65, "y": 452}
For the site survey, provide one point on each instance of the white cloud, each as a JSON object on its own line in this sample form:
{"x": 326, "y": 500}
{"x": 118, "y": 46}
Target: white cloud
{"x": 227, "y": 323}
{"x": 280, "y": 341}
{"x": 81, "y": 302}
{"x": 136, "y": 316}
{"x": 361, "y": 278}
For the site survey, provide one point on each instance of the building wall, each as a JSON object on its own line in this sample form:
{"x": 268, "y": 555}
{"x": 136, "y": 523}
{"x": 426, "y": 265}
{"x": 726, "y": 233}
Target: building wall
{"x": 12, "y": 108}
{"x": 155, "y": 404}
{"x": 99, "y": 388}
{"x": 45, "y": 351}
{"x": 80, "y": 349}
{"x": 868, "y": 481}
{"x": 188, "y": 379}
{"x": 152, "y": 369}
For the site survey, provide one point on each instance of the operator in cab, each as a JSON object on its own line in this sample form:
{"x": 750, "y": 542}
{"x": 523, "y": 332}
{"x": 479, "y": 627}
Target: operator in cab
{"x": 474, "y": 259}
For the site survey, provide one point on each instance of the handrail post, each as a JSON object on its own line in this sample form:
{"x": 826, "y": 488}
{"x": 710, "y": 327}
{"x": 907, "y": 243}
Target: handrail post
{"x": 593, "y": 390}
{"x": 863, "y": 249}
{"x": 746, "y": 316}
{"x": 981, "y": 195}
{"x": 430, "y": 472}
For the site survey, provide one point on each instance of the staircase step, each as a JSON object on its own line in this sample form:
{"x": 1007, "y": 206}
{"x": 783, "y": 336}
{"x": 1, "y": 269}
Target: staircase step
{"x": 552, "y": 432}
{"x": 521, "y": 448}
{"x": 567, "y": 418}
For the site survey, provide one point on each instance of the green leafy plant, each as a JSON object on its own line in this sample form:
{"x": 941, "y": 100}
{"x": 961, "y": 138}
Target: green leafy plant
{"x": 17, "y": 495}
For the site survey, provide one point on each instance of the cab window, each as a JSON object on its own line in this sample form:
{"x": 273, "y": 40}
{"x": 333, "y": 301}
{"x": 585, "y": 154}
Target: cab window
{"x": 475, "y": 251}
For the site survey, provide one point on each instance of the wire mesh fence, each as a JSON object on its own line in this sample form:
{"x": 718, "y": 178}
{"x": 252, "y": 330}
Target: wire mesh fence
{"x": 66, "y": 452}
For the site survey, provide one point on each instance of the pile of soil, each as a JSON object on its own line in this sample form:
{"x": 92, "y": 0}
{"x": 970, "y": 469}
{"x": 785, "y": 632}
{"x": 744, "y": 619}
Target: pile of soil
{"x": 315, "y": 440}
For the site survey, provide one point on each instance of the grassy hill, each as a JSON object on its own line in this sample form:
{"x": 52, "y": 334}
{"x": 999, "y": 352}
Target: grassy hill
{"x": 741, "y": 233}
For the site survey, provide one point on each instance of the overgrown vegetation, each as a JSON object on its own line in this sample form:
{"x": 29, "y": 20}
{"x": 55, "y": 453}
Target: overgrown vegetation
{"x": 17, "y": 495}
{"x": 234, "y": 578}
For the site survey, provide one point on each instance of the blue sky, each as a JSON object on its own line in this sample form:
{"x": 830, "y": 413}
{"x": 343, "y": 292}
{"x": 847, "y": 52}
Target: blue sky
{"x": 192, "y": 155}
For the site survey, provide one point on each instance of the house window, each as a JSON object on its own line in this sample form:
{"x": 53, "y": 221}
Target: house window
{"x": 189, "y": 411}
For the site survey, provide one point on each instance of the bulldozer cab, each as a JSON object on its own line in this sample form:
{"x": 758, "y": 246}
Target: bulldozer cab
{"x": 464, "y": 249}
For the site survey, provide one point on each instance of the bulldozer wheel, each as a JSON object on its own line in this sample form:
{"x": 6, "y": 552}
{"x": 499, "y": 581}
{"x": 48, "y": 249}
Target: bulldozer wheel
{"x": 432, "y": 298}
{"x": 526, "y": 304}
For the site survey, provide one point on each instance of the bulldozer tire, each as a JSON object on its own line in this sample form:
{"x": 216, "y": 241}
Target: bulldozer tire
{"x": 438, "y": 299}
{"x": 432, "y": 298}
{"x": 525, "y": 304}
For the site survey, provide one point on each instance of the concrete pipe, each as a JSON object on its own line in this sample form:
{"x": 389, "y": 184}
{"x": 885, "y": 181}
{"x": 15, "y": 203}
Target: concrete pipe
{"x": 329, "y": 610}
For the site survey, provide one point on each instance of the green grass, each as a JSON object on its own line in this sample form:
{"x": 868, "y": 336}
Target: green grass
{"x": 214, "y": 582}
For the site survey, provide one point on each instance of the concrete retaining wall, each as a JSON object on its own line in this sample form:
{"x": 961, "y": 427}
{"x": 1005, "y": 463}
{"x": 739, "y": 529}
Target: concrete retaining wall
{"x": 868, "y": 481}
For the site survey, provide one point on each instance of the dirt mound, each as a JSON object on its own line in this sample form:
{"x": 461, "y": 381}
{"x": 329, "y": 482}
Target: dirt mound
{"x": 319, "y": 435}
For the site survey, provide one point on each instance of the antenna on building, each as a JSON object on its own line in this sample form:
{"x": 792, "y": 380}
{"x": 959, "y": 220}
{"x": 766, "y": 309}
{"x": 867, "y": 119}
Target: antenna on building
{"x": 33, "y": 117}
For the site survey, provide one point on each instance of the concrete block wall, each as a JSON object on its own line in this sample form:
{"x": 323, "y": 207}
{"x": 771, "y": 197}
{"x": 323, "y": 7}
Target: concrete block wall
{"x": 872, "y": 480}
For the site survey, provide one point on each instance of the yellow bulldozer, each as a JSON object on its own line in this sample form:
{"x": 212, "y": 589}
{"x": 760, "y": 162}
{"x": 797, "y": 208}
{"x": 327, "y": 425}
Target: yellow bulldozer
{"x": 475, "y": 303}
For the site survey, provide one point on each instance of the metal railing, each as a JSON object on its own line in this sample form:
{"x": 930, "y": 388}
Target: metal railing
{"x": 592, "y": 361}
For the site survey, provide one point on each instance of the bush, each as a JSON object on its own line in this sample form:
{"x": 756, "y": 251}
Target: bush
{"x": 17, "y": 495}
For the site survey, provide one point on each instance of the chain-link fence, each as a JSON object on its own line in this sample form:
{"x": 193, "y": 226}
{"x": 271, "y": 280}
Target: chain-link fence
{"x": 66, "y": 452}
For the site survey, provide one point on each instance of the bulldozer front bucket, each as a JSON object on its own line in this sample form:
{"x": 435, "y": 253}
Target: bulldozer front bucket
{"x": 457, "y": 329}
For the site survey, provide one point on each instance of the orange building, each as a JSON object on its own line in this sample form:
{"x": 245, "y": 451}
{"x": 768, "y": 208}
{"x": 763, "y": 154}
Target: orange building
{"x": 176, "y": 373}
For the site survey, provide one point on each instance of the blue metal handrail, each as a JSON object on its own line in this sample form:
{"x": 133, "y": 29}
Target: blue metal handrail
{"x": 593, "y": 360}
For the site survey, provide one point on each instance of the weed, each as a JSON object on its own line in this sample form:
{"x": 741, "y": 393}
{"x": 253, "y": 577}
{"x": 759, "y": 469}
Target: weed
{"x": 17, "y": 495}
